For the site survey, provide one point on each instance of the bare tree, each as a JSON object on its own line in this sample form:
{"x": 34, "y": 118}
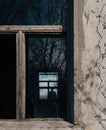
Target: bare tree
{"x": 48, "y": 53}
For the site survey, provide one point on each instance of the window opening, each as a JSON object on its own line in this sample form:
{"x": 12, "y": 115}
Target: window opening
{"x": 7, "y": 76}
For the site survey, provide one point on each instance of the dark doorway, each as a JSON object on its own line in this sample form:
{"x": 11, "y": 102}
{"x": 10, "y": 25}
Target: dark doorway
{"x": 7, "y": 76}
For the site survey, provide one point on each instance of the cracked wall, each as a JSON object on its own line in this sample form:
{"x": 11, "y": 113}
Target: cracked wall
{"x": 90, "y": 64}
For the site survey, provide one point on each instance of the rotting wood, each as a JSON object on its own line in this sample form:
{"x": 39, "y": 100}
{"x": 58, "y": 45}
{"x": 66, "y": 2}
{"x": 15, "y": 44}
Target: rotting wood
{"x": 33, "y": 29}
{"x": 21, "y": 78}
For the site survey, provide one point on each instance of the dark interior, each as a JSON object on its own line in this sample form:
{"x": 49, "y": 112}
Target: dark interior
{"x": 7, "y": 76}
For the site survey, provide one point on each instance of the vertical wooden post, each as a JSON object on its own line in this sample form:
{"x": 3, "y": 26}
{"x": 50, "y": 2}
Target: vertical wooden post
{"x": 21, "y": 75}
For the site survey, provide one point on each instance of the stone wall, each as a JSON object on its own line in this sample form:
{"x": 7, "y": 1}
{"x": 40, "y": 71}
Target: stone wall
{"x": 90, "y": 63}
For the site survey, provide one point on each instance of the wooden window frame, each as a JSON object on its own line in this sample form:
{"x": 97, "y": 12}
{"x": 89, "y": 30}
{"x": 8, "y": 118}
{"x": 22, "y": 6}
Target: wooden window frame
{"x": 20, "y": 31}
{"x": 21, "y": 58}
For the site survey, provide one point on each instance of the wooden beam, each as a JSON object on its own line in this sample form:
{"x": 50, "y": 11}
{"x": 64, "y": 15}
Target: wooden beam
{"x": 21, "y": 78}
{"x": 33, "y": 29}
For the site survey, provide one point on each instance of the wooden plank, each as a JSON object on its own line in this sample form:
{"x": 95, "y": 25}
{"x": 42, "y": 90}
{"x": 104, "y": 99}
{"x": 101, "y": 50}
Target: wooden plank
{"x": 21, "y": 76}
{"x": 34, "y": 29}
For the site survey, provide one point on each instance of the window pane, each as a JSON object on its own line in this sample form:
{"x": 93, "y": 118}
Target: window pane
{"x": 53, "y": 94}
{"x": 48, "y": 54}
{"x": 46, "y": 65}
{"x": 43, "y": 84}
{"x": 33, "y": 12}
{"x": 53, "y": 84}
{"x": 43, "y": 94}
{"x": 48, "y": 77}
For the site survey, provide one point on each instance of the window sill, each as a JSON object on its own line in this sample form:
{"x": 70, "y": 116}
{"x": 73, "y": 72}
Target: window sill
{"x": 38, "y": 124}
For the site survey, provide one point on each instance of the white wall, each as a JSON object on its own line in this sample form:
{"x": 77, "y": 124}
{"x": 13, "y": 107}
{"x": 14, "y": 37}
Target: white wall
{"x": 91, "y": 88}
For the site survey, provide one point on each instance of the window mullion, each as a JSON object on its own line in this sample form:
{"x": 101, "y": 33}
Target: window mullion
{"x": 20, "y": 75}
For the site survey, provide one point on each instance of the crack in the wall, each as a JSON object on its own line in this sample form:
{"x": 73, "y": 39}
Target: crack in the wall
{"x": 95, "y": 74}
{"x": 98, "y": 117}
{"x": 86, "y": 16}
{"x": 88, "y": 100}
{"x": 101, "y": 55}
{"x": 99, "y": 62}
{"x": 104, "y": 95}
{"x": 91, "y": 90}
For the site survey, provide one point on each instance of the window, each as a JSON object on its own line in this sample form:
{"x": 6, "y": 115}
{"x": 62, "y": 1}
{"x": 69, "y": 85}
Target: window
{"x": 42, "y": 50}
{"x": 46, "y": 66}
{"x": 48, "y": 85}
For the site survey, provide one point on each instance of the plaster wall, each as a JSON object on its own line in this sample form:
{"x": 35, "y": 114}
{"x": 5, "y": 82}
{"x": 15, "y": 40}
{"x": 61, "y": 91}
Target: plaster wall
{"x": 90, "y": 63}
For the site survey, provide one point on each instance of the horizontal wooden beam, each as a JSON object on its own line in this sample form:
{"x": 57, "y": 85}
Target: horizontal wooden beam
{"x": 33, "y": 29}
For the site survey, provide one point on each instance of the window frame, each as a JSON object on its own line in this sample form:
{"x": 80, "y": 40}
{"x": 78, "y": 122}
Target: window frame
{"x": 20, "y": 32}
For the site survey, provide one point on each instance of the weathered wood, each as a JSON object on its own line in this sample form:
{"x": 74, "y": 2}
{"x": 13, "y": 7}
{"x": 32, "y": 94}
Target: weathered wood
{"x": 35, "y": 29}
{"x": 49, "y": 124}
{"x": 21, "y": 78}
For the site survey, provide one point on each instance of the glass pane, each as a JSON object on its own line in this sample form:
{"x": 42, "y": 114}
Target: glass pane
{"x": 33, "y": 12}
{"x": 53, "y": 84}
{"x": 46, "y": 63}
{"x": 53, "y": 94}
{"x": 48, "y": 77}
{"x": 43, "y": 84}
{"x": 43, "y": 94}
{"x": 47, "y": 54}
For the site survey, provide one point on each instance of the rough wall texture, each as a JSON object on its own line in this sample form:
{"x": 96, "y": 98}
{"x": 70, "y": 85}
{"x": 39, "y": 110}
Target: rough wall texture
{"x": 37, "y": 125}
{"x": 91, "y": 88}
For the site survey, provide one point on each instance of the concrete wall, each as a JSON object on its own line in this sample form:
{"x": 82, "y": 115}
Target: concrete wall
{"x": 90, "y": 63}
